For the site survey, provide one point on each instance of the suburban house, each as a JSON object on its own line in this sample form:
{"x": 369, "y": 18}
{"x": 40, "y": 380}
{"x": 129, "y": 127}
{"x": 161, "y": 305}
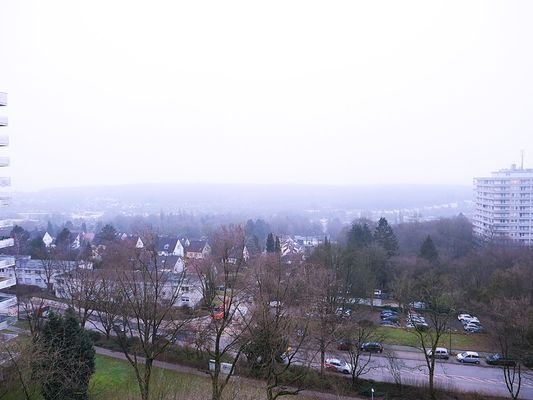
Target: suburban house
{"x": 176, "y": 264}
{"x": 41, "y": 273}
{"x": 236, "y": 254}
{"x": 168, "y": 246}
{"x": 47, "y": 239}
{"x": 198, "y": 249}
{"x": 190, "y": 292}
{"x": 134, "y": 240}
{"x": 186, "y": 290}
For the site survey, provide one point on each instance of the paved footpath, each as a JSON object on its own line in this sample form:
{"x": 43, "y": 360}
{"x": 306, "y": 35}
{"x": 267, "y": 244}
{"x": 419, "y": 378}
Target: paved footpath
{"x": 194, "y": 371}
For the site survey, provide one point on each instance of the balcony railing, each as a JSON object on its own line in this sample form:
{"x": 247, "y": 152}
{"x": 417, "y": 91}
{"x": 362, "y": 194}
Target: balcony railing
{"x": 3, "y": 99}
{"x": 7, "y": 282}
{"x": 9, "y": 242}
{"x": 4, "y": 140}
{"x": 3, "y": 121}
{"x": 7, "y": 300}
{"x": 4, "y": 161}
{"x": 7, "y": 261}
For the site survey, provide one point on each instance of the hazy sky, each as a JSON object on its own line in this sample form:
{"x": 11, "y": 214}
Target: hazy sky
{"x": 106, "y": 92}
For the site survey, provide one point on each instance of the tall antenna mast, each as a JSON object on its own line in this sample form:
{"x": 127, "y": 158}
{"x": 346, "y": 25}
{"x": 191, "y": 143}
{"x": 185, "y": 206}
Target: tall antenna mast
{"x": 522, "y": 159}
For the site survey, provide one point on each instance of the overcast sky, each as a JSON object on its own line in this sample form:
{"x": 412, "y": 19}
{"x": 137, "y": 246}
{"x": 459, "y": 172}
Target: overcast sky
{"x": 109, "y": 92}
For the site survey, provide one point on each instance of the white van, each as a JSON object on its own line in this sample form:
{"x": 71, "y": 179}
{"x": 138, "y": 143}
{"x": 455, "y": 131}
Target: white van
{"x": 440, "y": 352}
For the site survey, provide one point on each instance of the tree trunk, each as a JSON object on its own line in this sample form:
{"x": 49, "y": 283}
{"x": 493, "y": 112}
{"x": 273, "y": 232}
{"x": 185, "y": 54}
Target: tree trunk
{"x": 145, "y": 392}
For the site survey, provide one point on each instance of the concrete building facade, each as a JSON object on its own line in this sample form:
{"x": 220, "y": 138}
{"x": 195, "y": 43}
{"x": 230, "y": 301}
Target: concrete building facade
{"x": 7, "y": 263}
{"x": 504, "y": 206}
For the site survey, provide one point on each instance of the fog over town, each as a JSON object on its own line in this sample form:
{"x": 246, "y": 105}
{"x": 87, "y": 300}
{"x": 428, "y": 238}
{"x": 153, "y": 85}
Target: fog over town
{"x": 246, "y": 200}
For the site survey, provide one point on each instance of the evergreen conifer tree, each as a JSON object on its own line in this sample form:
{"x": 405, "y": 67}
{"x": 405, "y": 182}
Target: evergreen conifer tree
{"x": 66, "y": 360}
{"x": 278, "y": 245}
{"x": 359, "y": 236}
{"x": 385, "y": 237}
{"x": 428, "y": 250}
{"x": 270, "y": 244}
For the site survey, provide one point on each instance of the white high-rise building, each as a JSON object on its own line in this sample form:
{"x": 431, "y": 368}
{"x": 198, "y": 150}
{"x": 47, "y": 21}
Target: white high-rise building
{"x": 504, "y": 206}
{"x": 7, "y": 263}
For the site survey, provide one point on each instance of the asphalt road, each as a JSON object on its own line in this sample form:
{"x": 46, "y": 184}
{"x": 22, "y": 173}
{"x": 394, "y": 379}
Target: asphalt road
{"x": 451, "y": 375}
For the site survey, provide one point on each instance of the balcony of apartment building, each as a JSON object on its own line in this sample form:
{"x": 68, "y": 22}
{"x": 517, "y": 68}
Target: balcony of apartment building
{"x": 3, "y": 120}
{"x": 5, "y": 223}
{"x": 4, "y": 161}
{"x": 6, "y": 261}
{"x": 6, "y": 242}
{"x": 7, "y": 282}
{"x": 7, "y": 301}
{"x": 4, "y": 140}
{"x": 3, "y": 99}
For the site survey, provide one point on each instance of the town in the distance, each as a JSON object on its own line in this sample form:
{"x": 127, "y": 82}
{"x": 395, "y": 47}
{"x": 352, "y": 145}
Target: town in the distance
{"x": 217, "y": 292}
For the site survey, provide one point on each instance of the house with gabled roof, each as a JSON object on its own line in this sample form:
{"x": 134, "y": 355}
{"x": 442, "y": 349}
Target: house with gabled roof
{"x": 176, "y": 264}
{"x": 198, "y": 249}
{"x": 170, "y": 246}
{"x": 236, "y": 253}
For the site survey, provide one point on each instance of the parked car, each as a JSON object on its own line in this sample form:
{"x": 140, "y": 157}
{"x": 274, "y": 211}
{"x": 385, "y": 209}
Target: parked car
{"x": 474, "y": 328}
{"x": 336, "y": 365}
{"x": 392, "y": 318}
{"x": 388, "y": 312}
{"x": 386, "y": 322}
{"x": 471, "y": 320}
{"x": 461, "y": 317}
{"x": 470, "y": 357}
{"x": 372, "y": 347}
{"x": 440, "y": 353}
{"x": 498, "y": 359}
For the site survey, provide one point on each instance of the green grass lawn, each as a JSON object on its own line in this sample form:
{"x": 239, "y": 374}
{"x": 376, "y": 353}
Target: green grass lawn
{"x": 115, "y": 379}
{"x": 460, "y": 341}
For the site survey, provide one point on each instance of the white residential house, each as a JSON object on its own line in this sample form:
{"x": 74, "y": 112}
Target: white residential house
{"x": 235, "y": 254}
{"x": 190, "y": 292}
{"x": 198, "y": 249}
{"x": 176, "y": 264}
{"x": 41, "y": 273}
{"x": 167, "y": 246}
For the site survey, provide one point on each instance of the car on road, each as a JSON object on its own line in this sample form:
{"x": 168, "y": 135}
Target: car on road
{"x": 336, "y": 365}
{"x": 372, "y": 347}
{"x": 440, "y": 353}
{"x": 470, "y": 357}
{"x": 498, "y": 359}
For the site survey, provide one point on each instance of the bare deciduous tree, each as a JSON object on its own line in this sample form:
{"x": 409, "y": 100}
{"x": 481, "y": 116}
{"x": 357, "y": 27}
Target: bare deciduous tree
{"x": 229, "y": 312}
{"x": 146, "y": 298}
{"x": 270, "y": 334}
{"x": 434, "y": 291}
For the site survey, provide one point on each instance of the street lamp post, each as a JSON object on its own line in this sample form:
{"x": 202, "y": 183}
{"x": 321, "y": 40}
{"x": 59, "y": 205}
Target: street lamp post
{"x": 372, "y": 393}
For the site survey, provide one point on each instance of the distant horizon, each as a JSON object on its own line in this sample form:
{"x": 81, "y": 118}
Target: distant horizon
{"x": 170, "y": 183}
